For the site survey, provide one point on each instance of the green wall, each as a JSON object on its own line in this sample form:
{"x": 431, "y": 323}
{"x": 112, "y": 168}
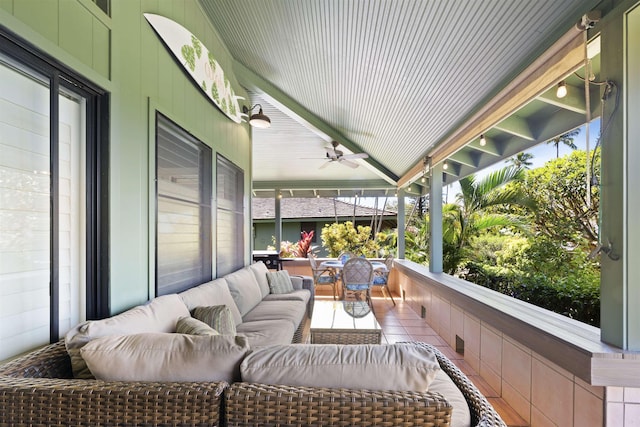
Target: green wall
{"x": 264, "y": 231}
{"x": 122, "y": 54}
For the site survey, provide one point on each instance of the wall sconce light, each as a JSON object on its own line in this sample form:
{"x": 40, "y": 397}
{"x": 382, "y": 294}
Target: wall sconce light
{"x": 561, "y": 90}
{"x": 483, "y": 141}
{"x": 445, "y": 166}
{"x": 259, "y": 120}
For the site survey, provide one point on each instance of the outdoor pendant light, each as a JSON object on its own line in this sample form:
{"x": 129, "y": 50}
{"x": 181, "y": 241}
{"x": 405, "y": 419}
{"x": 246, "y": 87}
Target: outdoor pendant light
{"x": 259, "y": 120}
{"x": 561, "y": 91}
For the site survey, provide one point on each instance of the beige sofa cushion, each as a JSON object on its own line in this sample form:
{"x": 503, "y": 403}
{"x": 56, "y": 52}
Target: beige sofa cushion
{"x": 373, "y": 367}
{"x": 159, "y": 315}
{"x": 244, "y": 289}
{"x": 443, "y": 384}
{"x": 212, "y": 293}
{"x": 267, "y": 332}
{"x": 260, "y": 271}
{"x": 297, "y": 295}
{"x": 291, "y": 310}
{"x": 165, "y": 357}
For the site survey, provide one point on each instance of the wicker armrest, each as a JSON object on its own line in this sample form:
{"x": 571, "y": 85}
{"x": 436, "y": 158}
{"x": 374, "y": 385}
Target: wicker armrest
{"x": 61, "y": 402}
{"x": 482, "y": 413}
{"x": 248, "y": 404}
{"x": 36, "y": 390}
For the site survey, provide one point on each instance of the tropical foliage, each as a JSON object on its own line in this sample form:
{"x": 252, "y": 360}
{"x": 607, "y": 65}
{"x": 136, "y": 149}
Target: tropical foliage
{"x": 344, "y": 237}
{"x": 566, "y": 139}
{"x": 526, "y": 233}
{"x": 474, "y": 212}
{"x": 301, "y": 249}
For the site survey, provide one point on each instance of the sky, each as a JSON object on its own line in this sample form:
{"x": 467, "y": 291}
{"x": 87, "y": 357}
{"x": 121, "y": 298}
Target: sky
{"x": 542, "y": 153}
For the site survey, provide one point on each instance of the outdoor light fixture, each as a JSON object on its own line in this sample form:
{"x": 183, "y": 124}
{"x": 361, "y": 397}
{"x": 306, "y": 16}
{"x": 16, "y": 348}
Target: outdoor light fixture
{"x": 561, "y": 91}
{"x": 483, "y": 141}
{"x": 445, "y": 166}
{"x": 259, "y": 120}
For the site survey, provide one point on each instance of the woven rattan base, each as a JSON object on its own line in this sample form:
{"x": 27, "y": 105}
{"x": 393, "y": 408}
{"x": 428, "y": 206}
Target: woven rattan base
{"x": 258, "y": 405}
{"x": 346, "y": 337}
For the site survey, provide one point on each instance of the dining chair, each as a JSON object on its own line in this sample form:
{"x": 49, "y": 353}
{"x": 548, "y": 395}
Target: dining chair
{"x": 323, "y": 276}
{"x": 357, "y": 279}
{"x": 381, "y": 278}
{"x": 346, "y": 256}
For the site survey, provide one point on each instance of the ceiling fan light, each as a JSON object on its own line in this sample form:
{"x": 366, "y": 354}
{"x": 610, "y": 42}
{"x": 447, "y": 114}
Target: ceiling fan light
{"x": 260, "y": 120}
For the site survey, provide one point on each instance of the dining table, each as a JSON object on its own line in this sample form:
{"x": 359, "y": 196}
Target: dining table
{"x": 339, "y": 265}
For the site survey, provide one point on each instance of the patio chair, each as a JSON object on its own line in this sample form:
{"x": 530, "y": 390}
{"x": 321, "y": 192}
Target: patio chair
{"x": 381, "y": 278}
{"x": 357, "y": 279}
{"x": 323, "y": 276}
{"x": 346, "y": 256}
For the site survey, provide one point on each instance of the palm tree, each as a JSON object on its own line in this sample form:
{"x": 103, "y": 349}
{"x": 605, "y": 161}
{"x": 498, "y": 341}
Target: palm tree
{"x": 472, "y": 214}
{"x": 566, "y": 139}
{"x": 521, "y": 160}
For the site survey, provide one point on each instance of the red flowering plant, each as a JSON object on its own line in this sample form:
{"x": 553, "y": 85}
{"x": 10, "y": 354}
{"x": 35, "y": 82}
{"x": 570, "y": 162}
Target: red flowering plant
{"x": 304, "y": 244}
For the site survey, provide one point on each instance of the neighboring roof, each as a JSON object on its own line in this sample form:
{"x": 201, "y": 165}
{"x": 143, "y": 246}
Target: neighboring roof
{"x": 263, "y": 208}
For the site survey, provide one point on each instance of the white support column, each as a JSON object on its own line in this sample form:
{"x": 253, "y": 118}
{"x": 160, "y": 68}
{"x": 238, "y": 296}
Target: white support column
{"x": 401, "y": 223}
{"x": 278, "y": 220}
{"x": 435, "y": 220}
{"x": 619, "y": 197}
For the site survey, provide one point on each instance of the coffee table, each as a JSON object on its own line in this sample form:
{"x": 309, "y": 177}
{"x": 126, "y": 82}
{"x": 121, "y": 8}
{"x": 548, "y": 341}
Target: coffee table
{"x": 344, "y": 322}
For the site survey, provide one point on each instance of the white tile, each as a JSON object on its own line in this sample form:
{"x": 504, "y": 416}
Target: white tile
{"x": 551, "y": 393}
{"x": 615, "y": 415}
{"x": 538, "y": 419}
{"x": 516, "y": 368}
{"x": 615, "y": 394}
{"x": 457, "y": 325}
{"x": 588, "y": 408}
{"x": 631, "y": 415}
{"x": 595, "y": 390}
{"x": 518, "y": 402}
{"x": 471, "y": 335}
{"x": 491, "y": 349}
{"x": 631, "y": 395}
{"x": 491, "y": 377}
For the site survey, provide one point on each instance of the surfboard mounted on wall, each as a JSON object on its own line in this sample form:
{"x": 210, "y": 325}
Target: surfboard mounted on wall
{"x": 199, "y": 64}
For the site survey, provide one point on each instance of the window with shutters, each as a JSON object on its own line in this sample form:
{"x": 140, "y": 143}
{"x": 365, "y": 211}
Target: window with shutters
{"x": 229, "y": 213}
{"x": 183, "y": 221}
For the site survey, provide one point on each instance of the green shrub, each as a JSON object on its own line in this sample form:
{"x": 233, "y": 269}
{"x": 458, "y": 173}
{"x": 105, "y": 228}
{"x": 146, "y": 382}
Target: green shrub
{"x": 344, "y": 237}
{"x": 575, "y": 296}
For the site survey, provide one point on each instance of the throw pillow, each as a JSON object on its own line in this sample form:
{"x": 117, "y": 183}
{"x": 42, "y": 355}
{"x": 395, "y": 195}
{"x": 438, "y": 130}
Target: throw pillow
{"x": 219, "y": 317}
{"x": 394, "y": 367}
{"x": 279, "y": 282}
{"x": 192, "y": 326}
{"x": 165, "y": 357}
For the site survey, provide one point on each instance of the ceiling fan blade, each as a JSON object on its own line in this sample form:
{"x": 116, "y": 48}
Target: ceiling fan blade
{"x": 351, "y": 164}
{"x": 325, "y": 164}
{"x": 355, "y": 156}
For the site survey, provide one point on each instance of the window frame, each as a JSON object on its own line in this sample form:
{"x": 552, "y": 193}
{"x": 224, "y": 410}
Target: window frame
{"x": 237, "y": 209}
{"x": 97, "y": 304}
{"x": 205, "y": 206}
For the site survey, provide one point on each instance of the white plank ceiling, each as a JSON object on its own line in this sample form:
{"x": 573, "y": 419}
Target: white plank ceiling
{"x": 391, "y": 78}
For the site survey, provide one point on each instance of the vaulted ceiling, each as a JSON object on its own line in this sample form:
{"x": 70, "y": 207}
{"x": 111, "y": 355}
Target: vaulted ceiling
{"x": 396, "y": 79}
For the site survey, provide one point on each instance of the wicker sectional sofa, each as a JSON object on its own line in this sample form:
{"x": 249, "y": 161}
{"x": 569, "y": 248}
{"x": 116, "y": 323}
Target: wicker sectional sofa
{"x": 39, "y": 389}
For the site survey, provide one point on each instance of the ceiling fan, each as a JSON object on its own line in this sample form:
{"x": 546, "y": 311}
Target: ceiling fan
{"x": 335, "y": 155}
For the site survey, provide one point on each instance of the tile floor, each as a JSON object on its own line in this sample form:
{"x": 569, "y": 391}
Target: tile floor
{"x": 401, "y": 323}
